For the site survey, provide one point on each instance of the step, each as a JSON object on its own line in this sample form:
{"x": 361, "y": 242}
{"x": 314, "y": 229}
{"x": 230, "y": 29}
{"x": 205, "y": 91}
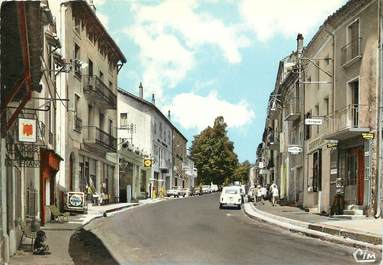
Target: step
{"x": 313, "y": 210}
{"x": 353, "y": 212}
{"x": 354, "y": 207}
{"x": 349, "y": 217}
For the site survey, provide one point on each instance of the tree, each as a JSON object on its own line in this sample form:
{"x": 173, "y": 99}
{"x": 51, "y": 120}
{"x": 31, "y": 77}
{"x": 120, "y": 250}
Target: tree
{"x": 213, "y": 154}
{"x": 242, "y": 172}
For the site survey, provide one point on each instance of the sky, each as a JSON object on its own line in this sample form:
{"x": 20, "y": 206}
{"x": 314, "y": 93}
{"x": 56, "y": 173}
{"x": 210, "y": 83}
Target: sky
{"x": 209, "y": 58}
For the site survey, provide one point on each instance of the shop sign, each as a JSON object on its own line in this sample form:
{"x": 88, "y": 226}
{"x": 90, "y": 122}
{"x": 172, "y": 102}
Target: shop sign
{"x": 75, "y": 200}
{"x": 261, "y": 165}
{"x": 333, "y": 171}
{"x": 27, "y": 130}
{"x": 313, "y": 121}
{"x": 368, "y": 136}
{"x": 294, "y": 149}
{"x": 148, "y": 162}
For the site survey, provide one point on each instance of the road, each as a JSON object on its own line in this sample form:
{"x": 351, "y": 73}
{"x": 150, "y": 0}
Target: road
{"x": 195, "y": 231}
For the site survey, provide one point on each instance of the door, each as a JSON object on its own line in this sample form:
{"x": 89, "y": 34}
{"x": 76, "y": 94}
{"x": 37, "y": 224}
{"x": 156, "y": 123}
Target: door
{"x": 360, "y": 176}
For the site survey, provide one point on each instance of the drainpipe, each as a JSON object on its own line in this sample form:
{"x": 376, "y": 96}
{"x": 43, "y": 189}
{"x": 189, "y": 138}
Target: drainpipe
{"x": 379, "y": 134}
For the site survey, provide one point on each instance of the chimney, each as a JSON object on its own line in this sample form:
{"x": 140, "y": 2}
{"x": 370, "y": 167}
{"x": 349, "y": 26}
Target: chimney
{"x": 299, "y": 44}
{"x": 141, "y": 91}
{"x": 169, "y": 115}
{"x": 91, "y": 4}
{"x": 153, "y": 99}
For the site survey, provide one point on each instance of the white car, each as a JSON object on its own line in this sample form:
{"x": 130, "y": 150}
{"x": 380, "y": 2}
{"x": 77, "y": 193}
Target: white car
{"x": 206, "y": 189}
{"x": 230, "y": 196}
{"x": 214, "y": 187}
{"x": 172, "y": 192}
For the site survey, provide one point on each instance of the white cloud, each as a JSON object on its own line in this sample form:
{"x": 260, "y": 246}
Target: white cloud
{"x": 170, "y": 33}
{"x": 194, "y": 111}
{"x": 272, "y": 17}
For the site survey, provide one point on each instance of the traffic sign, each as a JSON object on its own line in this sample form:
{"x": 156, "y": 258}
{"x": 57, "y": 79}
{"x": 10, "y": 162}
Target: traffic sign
{"x": 148, "y": 163}
{"x": 368, "y": 136}
{"x": 313, "y": 121}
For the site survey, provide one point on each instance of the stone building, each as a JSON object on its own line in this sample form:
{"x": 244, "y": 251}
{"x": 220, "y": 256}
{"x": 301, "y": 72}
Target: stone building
{"x": 88, "y": 123}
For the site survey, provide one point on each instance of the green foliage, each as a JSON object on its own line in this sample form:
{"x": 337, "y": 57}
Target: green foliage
{"x": 241, "y": 173}
{"x": 213, "y": 154}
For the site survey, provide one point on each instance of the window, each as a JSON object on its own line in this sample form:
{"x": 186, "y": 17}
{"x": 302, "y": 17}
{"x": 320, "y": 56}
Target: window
{"x": 101, "y": 121}
{"x": 155, "y": 128}
{"x": 161, "y": 133}
{"x": 354, "y": 109}
{"x": 90, "y": 115}
{"x": 123, "y": 120}
{"x": 76, "y": 105}
{"x": 90, "y": 67}
{"x": 77, "y": 65}
{"x": 307, "y": 127}
{"x": 111, "y": 85}
{"x": 101, "y": 76}
{"x": 317, "y": 170}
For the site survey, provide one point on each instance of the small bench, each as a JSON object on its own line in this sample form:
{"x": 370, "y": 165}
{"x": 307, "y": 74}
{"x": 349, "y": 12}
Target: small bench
{"x": 59, "y": 216}
{"x": 27, "y": 232}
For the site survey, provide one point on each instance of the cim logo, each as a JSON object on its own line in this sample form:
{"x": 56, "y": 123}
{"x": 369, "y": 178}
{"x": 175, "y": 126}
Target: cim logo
{"x": 364, "y": 256}
{"x": 75, "y": 200}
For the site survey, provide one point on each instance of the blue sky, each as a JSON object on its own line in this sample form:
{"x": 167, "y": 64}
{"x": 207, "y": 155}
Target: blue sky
{"x": 204, "y": 58}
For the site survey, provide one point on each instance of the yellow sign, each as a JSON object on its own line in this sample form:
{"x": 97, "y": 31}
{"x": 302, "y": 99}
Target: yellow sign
{"x": 148, "y": 163}
{"x": 368, "y": 136}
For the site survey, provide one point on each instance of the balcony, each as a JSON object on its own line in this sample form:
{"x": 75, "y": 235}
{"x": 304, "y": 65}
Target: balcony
{"x": 77, "y": 124}
{"x": 273, "y": 142}
{"x": 96, "y": 90}
{"x": 349, "y": 122}
{"x": 165, "y": 165}
{"x": 351, "y": 52}
{"x": 292, "y": 109}
{"x": 97, "y": 139}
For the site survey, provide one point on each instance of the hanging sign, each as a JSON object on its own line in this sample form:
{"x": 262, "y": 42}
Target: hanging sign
{"x": 294, "y": 149}
{"x": 313, "y": 121}
{"x": 368, "y": 136}
{"x": 148, "y": 163}
{"x": 27, "y": 130}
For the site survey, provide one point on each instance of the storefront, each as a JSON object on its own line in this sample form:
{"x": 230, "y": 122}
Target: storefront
{"x": 49, "y": 166}
{"x": 351, "y": 164}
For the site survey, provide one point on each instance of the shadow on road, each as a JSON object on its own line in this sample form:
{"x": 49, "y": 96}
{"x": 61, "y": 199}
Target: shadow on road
{"x": 87, "y": 249}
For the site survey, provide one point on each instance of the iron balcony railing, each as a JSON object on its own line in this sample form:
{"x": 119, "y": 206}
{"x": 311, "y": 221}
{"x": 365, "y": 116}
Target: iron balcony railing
{"x": 94, "y": 135}
{"x": 77, "y": 124}
{"x": 351, "y": 51}
{"x": 352, "y": 116}
{"x": 94, "y": 86}
{"x": 292, "y": 109}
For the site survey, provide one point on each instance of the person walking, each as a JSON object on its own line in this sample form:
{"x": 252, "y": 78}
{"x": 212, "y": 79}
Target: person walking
{"x": 274, "y": 194}
{"x": 263, "y": 191}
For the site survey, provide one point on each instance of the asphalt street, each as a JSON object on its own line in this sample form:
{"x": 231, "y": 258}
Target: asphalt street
{"x": 195, "y": 231}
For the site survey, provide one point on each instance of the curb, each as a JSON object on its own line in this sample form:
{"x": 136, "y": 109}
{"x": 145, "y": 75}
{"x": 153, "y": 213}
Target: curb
{"x": 342, "y": 239}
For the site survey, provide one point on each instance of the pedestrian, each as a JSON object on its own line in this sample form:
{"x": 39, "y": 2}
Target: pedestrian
{"x": 263, "y": 194}
{"x": 40, "y": 247}
{"x": 274, "y": 194}
{"x": 258, "y": 194}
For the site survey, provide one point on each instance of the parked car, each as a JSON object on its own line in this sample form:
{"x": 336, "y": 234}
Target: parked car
{"x": 196, "y": 191}
{"x": 185, "y": 192}
{"x": 214, "y": 187}
{"x": 231, "y": 197}
{"x": 206, "y": 189}
{"x": 172, "y": 192}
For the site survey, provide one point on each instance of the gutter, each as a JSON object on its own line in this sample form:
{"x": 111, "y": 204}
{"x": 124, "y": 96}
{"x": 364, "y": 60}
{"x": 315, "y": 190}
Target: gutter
{"x": 380, "y": 108}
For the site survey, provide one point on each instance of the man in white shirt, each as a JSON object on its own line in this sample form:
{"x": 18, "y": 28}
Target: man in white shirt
{"x": 275, "y": 194}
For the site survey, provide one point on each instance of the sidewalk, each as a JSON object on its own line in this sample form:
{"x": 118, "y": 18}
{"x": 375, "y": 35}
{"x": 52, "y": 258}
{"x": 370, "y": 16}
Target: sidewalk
{"x": 58, "y": 237}
{"x": 365, "y": 232}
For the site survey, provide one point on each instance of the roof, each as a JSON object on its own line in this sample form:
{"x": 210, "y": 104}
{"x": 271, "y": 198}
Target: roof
{"x": 154, "y": 107}
{"x": 330, "y": 20}
{"x": 83, "y": 6}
